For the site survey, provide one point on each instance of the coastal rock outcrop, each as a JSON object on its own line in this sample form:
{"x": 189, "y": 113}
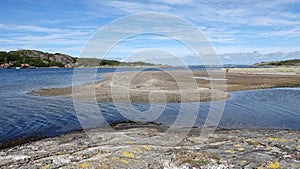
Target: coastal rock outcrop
{"x": 56, "y": 59}
{"x": 126, "y": 148}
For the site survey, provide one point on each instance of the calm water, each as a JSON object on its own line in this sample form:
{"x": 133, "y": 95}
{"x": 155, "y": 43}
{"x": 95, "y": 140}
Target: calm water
{"x": 25, "y": 115}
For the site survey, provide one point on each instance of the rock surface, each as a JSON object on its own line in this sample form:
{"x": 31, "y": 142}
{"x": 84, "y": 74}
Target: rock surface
{"x": 45, "y": 57}
{"x": 150, "y": 146}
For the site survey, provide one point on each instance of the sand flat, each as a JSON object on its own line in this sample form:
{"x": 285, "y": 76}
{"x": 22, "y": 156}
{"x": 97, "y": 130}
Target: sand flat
{"x": 173, "y": 86}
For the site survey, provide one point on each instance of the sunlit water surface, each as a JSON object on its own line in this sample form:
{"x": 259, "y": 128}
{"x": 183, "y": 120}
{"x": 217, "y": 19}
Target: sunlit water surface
{"x": 23, "y": 115}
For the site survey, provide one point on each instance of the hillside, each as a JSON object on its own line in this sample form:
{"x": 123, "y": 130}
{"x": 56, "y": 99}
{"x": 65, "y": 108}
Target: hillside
{"x": 36, "y": 58}
{"x": 294, "y": 62}
{"x": 94, "y": 62}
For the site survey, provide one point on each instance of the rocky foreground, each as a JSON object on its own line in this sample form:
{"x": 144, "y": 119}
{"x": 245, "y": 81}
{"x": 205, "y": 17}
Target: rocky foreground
{"x": 149, "y": 146}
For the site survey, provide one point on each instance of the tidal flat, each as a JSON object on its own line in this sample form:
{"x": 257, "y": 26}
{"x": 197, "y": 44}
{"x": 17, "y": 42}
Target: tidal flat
{"x": 177, "y": 86}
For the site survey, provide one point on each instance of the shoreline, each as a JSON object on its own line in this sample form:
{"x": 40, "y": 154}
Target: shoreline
{"x": 102, "y": 67}
{"x": 119, "y": 126}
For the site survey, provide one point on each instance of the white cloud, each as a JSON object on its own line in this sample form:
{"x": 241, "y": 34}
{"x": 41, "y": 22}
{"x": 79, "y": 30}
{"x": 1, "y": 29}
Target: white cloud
{"x": 37, "y": 37}
{"x": 295, "y": 32}
{"x": 175, "y": 2}
{"x": 28, "y": 28}
{"x": 225, "y": 23}
{"x": 269, "y": 21}
{"x": 239, "y": 49}
{"x": 229, "y": 25}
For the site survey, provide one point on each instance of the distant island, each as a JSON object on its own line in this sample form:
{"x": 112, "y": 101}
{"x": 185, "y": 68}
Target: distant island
{"x": 35, "y": 58}
{"x": 294, "y": 62}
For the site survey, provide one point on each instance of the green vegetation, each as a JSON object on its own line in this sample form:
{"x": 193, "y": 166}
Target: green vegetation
{"x": 88, "y": 62}
{"x": 6, "y": 57}
{"x": 266, "y": 70}
{"x": 34, "y": 58}
{"x": 94, "y": 62}
{"x": 42, "y": 59}
{"x": 295, "y": 62}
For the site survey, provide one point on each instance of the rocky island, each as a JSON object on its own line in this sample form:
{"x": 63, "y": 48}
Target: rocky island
{"x": 294, "y": 62}
{"x": 35, "y": 58}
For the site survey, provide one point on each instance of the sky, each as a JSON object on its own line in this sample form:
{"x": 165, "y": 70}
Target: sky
{"x": 241, "y": 32}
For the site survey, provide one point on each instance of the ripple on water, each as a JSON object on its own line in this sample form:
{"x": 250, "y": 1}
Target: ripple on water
{"x": 24, "y": 115}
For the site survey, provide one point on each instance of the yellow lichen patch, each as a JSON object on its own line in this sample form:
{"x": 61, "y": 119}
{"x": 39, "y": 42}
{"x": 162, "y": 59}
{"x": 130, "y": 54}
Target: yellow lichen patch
{"x": 273, "y": 139}
{"x": 237, "y": 145}
{"x": 115, "y": 158}
{"x": 45, "y": 166}
{"x": 137, "y": 149}
{"x": 260, "y": 168}
{"x": 274, "y": 165}
{"x": 129, "y": 142}
{"x": 125, "y": 161}
{"x": 296, "y": 165}
{"x": 241, "y": 148}
{"x": 298, "y": 147}
{"x": 283, "y": 140}
{"x": 58, "y": 153}
{"x": 147, "y": 148}
{"x": 244, "y": 161}
{"x": 229, "y": 151}
{"x": 105, "y": 151}
{"x": 105, "y": 166}
{"x": 128, "y": 154}
{"x": 83, "y": 165}
{"x": 268, "y": 148}
{"x": 106, "y": 159}
{"x": 253, "y": 142}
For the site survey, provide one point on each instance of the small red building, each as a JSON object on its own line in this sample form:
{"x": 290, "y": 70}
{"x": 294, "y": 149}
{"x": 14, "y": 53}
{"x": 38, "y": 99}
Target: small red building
{"x": 5, "y": 65}
{"x": 24, "y": 65}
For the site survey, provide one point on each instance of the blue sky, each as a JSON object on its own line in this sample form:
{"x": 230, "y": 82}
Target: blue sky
{"x": 242, "y": 32}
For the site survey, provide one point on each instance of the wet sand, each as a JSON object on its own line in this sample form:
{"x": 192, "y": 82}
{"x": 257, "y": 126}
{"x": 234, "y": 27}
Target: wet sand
{"x": 173, "y": 86}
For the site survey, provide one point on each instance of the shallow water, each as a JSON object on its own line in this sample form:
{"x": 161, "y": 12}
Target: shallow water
{"x": 25, "y": 115}
{"x": 207, "y": 78}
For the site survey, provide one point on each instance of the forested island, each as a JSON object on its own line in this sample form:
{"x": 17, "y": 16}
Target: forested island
{"x": 35, "y": 58}
{"x": 294, "y": 62}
